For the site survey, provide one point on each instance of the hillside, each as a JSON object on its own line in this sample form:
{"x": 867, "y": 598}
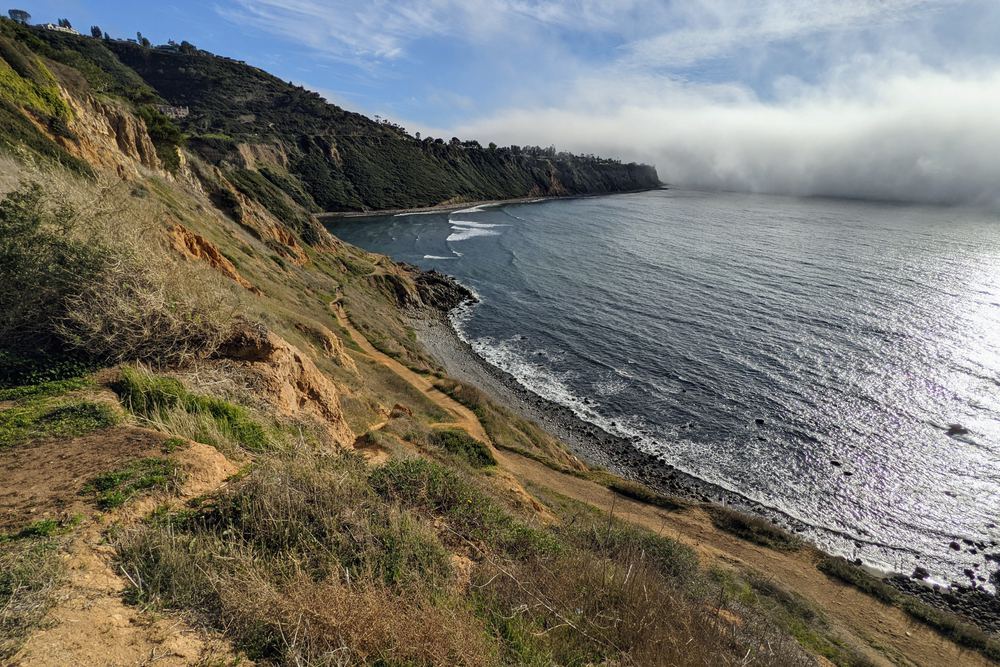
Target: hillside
{"x": 221, "y": 441}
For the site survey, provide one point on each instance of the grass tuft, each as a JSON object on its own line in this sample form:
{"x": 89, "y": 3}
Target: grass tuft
{"x": 115, "y": 488}
{"x": 463, "y": 445}
{"x": 168, "y": 405}
{"x": 30, "y": 571}
{"x": 752, "y": 529}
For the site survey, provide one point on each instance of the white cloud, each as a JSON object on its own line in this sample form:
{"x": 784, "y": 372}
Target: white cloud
{"x": 921, "y": 136}
{"x": 708, "y": 29}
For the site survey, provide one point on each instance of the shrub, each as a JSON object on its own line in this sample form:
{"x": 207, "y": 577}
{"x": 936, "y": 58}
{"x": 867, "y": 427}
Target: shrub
{"x": 752, "y": 529}
{"x": 93, "y": 280}
{"x": 463, "y": 445}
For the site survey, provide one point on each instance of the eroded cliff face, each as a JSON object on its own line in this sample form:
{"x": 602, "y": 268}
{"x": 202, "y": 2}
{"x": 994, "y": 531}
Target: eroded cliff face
{"x": 288, "y": 380}
{"x": 197, "y": 247}
{"x": 105, "y": 134}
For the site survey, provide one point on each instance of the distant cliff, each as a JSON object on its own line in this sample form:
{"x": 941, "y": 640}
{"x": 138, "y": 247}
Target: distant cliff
{"x": 241, "y": 119}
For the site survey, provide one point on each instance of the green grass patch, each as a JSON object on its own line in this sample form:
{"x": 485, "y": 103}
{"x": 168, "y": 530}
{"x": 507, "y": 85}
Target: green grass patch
{"x": 34, "y": 420}
{"x": 464, "y": 446}
{"x": 115, "y": 488}
{"x": 159, "y": 399}
{"x": 42, "y": 389}
{"x": 752, "y": 529}
{"x": 20, "y": 372}
{"x": 44, "y": 528}
{"x": 949, "y": 625}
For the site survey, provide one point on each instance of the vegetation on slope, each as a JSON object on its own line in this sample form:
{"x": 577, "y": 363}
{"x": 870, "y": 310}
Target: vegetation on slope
{"x": 334, "y": 160}
{"x": 76, "y": 278}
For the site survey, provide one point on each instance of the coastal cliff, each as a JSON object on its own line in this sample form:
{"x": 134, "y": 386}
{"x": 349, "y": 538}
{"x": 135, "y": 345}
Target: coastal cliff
{"x": 241, "y": 119}
{"x": 222, "y": 442}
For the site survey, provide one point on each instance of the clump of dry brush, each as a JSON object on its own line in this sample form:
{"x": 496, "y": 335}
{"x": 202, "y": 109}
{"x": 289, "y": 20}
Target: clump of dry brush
{"x": 83, "y": 267}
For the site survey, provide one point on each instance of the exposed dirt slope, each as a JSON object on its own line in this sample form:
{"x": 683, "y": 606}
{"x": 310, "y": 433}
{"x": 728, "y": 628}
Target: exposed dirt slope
{"x": 92, "y": 625}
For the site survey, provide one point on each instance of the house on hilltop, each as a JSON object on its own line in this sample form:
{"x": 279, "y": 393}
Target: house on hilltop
{"x": 60, "y": 28}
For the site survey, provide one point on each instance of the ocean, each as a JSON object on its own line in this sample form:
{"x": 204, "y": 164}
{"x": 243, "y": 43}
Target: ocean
{"x": 835, "y": 361}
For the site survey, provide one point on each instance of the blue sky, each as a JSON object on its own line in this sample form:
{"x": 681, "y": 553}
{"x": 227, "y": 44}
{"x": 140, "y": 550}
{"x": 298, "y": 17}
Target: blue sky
{"x": 639, "y": 79}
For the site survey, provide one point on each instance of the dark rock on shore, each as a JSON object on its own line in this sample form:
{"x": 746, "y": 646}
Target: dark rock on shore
{"x": 956, "y": 429}
{"x": 971, "y": 603}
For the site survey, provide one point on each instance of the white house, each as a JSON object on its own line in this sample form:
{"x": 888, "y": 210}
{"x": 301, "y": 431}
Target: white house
{"x": 59, "y": 28}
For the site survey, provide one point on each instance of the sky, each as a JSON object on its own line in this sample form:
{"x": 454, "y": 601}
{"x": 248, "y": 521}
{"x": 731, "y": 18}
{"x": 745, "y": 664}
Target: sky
{"x": 881, "y": 99}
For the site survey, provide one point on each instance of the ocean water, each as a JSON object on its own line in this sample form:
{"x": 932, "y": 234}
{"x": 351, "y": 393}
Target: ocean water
{"x": 808, "y": 354}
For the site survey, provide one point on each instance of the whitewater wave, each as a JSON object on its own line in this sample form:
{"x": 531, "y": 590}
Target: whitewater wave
{"x": 554, "y": 386}
{"x": 476, "y": 225}
{"x": 439, "y": 257}
{"x": 409, "y": 213}
{"x": 463, "y": 233}
{"x": 478, "y": 208}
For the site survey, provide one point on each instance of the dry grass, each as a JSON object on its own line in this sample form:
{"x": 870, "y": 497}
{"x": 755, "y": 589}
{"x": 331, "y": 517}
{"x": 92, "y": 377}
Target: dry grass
{"x": 753, "y": 529}
{"x": 30, "y": 572}
{"x": 324, "y": 561}
{"x": 83, "y": 268}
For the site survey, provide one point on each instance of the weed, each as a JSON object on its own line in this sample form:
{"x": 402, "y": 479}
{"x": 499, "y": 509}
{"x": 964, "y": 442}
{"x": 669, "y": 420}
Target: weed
{"x": 171, "y": 445}
{"x": 115, "y": 488}
{"x": 44, "y": 528}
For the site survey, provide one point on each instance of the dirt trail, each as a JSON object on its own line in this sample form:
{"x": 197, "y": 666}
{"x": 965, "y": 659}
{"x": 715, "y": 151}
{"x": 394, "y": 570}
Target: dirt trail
{"x": 92, "y": 625}
{"x": 464, "y": 418}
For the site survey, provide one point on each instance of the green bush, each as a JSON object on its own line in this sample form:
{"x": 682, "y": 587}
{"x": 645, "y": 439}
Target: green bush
{"x": 463, "y": 445}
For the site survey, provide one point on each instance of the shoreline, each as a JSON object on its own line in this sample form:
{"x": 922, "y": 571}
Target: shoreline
{"x": 451, "y": 208}
{"x": 590, "y": 442}
{"x": 596, "y": 447}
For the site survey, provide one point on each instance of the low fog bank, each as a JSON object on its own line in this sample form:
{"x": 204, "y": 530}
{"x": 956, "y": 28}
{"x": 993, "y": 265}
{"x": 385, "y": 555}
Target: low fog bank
{"x": 927, "y": 137}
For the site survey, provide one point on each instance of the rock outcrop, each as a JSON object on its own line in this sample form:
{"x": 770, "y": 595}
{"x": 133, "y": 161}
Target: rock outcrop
{"x": 283, "y": 376}
{"x": 195, "y": 246}
{"x": 108, "y": 135}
